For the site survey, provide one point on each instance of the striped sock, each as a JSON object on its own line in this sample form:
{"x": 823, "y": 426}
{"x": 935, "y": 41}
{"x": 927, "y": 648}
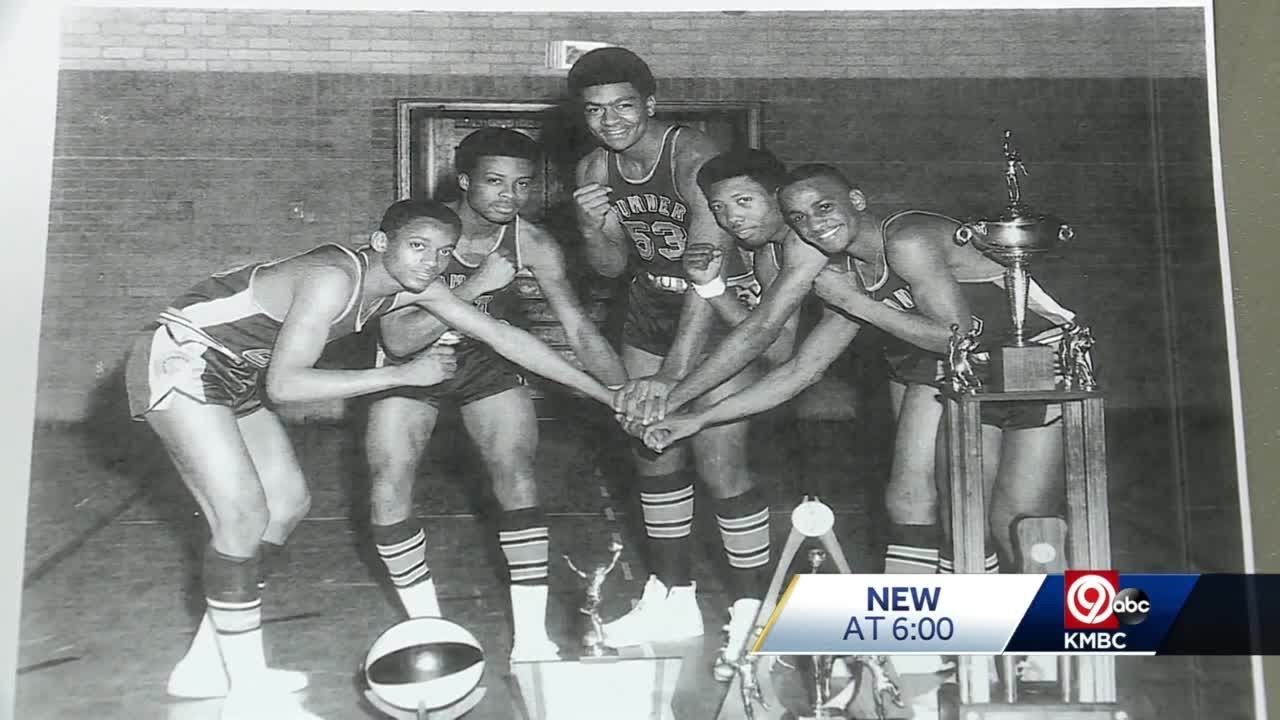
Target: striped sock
{"x": 402, "y": 547}
{"x": 666, "y": 502}
{"x": 744, "y": 530}
{"x": 523, "y": 537}
{"x": 912, "y": 549}
{"x": 234, "y": 606}
{"x": 947, "y": 565}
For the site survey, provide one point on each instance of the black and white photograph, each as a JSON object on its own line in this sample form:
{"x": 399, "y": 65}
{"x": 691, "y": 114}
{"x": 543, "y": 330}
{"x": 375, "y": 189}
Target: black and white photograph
{"x": 504, "y": 363}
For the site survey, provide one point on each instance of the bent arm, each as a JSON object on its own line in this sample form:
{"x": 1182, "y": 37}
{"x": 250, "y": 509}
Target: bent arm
{"x": 512, "y": 343}
{"x": 606, "y": 250}
{"x": 829, "y": 338}
{"x": 760, "y": 329}
{"x": 938, "y": 297}
{"x": 292, "y": 376}
{"x": 411, "y": 329}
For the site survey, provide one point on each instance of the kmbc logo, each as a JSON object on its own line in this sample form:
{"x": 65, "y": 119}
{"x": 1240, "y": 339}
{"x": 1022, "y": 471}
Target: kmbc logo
{"x": 1094, "y": 601}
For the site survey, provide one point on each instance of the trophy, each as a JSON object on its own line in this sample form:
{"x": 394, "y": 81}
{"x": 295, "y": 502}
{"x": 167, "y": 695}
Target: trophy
{"x": 1013, "y": 239}
{"x": 634, "y": 683}
{"x": 593, "y": 646}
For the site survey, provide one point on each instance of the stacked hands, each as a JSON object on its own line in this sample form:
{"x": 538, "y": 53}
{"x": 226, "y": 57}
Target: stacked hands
{"x": 641, "y": 406}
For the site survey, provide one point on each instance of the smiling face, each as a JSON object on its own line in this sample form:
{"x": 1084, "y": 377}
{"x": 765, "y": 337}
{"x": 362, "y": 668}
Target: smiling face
{"x": 418, "y": 252}
{"x": 823, "y": 212}
{"x": 616, "y": 114}
{"x": 497, "y": 187}
{"x": 746, "y": 210}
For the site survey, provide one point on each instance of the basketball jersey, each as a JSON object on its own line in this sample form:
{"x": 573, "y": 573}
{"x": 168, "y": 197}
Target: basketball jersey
{"x": 987, "y": 299}
{"x": 501, "y": 303}
{"x": 654, "y": 215}
{"x": 655, "y": 218}
{"x": 222, "y": 313}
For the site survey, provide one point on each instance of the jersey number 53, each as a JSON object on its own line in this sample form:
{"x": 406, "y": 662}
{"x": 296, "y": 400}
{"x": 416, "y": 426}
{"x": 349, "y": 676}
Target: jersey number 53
{"x": 665, "y": 238}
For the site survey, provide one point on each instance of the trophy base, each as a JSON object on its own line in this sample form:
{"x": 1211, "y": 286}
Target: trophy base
{"x": 621, "y": 687}
{"x": 1024, "y": 368}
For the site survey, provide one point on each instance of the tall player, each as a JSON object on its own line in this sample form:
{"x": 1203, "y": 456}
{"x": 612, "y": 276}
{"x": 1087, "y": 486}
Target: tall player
{"x": 495, "y": 171}
{"x": 639, "y": 207}
{"x": 209, "y": 370}
{"x": 905, "y": 275}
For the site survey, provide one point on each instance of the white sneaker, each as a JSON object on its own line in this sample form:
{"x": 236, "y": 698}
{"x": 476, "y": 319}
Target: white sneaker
{"x": 742, "y": 616}
{"x": 662, "y": 615}
{"x": 534, "y": 650}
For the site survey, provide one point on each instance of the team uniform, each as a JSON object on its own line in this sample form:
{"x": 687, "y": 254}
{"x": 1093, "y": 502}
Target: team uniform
{"x": 655, "y": 218}
{"x": 481, "y": 372}
{"x": 989, "y": 307}
{"x": 213, "y": 343}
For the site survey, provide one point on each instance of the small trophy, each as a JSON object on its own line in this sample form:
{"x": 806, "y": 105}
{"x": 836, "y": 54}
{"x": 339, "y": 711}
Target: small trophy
{"x": 960, "y": 351}
{"x": 593, "y": 646}
{"x": 1076, "y": 360}
{"x": 1012, "y": 240}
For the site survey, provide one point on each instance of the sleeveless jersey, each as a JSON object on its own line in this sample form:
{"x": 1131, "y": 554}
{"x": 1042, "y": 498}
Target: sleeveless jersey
{"x": 988, "y": 307}
{"x": 654, "y": 215}
{"x": 500, "y": 303}
{"x": 222, "y": 313}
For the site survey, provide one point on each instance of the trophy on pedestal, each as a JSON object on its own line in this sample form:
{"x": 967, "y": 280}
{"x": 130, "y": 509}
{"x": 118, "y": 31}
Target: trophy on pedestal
{"x": 633, "y": 684}
{"x": 1013, "y": 239}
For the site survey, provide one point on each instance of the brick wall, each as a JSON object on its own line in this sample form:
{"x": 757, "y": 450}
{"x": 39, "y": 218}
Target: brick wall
{"x": 906, "y": 44}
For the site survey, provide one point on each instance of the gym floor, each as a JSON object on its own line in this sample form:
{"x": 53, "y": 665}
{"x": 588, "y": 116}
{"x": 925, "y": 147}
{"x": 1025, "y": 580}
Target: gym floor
{"x": 111, "y": 595}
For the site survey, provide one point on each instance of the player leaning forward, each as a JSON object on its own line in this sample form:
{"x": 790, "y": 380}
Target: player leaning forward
{"x": 208, "y": 372}
{"x": 495, "y": 172}
{"x": 639, "y": 207}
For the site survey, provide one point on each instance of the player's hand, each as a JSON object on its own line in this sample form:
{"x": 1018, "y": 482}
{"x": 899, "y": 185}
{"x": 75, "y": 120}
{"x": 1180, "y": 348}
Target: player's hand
{"x": 644, "y": 399}
{"x": 702, "y": 262}
{"x": 431, "y": 367}
{"x": 836, "y": 286}
{"x": 662, "y": 434}
{"x": 496, "y": 272}
{"x": 591, "y": 202}
{"x": 634, "y": 428}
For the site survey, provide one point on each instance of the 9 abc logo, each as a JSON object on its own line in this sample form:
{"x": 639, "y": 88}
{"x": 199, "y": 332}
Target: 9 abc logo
{"x": 1094, "y": 601}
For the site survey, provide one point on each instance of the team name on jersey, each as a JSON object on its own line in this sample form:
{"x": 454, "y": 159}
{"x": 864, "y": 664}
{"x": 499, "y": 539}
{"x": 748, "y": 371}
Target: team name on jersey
{"x": 481, "y": 303}
{"x": 652, "y": 203}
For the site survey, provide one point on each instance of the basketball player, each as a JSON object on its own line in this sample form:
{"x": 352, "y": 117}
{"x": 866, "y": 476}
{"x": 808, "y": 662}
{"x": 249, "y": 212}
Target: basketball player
{"x": 639, "y": 207}
{"x": 209, "y": 371}
{"x": 906, "y": 275}
{"x": 495, "y": 170}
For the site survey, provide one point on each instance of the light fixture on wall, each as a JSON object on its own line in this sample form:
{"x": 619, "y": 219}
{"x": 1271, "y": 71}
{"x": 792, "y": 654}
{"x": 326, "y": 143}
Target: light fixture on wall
{"x": 562, "y": 54}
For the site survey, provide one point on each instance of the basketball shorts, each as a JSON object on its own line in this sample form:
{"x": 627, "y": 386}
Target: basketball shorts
{"x": 923, "y": 368}
{"x": 481, "y": 373}
{"x": 163, "y": 363}
{"x": 653, "y": 313}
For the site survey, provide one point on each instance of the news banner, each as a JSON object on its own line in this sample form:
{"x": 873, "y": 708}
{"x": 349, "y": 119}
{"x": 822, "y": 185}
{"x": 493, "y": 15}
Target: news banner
{"x": 1075, "y": 613}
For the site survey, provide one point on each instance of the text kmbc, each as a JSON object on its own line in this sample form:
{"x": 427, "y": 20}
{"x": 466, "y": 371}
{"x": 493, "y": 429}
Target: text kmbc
{"x": 1094, "y": 601}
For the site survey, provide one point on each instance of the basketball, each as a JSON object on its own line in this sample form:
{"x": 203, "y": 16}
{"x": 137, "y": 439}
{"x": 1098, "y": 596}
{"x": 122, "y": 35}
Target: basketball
{"x": 427, "y": 662}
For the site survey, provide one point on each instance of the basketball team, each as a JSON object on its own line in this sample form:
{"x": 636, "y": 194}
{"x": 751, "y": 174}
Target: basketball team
{"x": 719, "y": 249}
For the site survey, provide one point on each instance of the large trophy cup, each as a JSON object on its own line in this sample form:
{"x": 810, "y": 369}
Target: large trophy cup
{"x": 634, "y": 684}
{"x": 1013, "y": 239}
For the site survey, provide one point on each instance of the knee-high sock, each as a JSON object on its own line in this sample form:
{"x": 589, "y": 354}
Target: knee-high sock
{"x": 912, "y": 549}
{"x": 234, "y": 608}
{"x": 525, "y": 541}
{"x": 991, "y": 564}
{"x": 402, "y": 547}
{"x": 666, "y": 501}
{"x": 744, "y": 530}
